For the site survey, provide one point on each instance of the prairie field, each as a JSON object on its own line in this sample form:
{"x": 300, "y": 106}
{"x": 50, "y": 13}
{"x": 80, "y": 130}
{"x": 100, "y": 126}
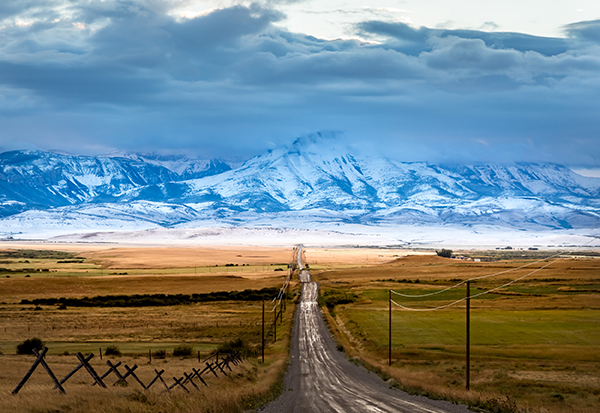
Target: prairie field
{"x": 80, "y": 272}
{"x": 535, "y": 344}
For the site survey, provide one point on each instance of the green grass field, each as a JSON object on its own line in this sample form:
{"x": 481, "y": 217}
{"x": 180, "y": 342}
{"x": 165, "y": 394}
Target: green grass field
{"x": 498, "y": 333}
{"x": 535, "y": 345}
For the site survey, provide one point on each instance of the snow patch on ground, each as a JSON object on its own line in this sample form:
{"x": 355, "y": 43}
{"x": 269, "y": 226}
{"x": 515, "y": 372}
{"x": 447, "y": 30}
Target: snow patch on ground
{"x": 214, "y": 233}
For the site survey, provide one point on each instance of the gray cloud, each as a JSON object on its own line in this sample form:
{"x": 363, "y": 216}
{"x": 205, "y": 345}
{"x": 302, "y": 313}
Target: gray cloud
{"x": 126, "y": 75}
{"x": 413, "y": 41}
{"x": 584, "y": 31}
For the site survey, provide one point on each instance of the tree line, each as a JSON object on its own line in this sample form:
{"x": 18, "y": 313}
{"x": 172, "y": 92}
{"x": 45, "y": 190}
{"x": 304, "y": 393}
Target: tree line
{"x": 155, "y": 300}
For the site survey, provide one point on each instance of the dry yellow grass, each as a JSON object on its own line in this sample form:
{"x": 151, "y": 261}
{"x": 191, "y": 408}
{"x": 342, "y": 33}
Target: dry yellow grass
{"x": 186, "y": 271}
{"x": 246, "y": 387}
{"x": 136, "y": 330}
{"x": 152, "y": 257}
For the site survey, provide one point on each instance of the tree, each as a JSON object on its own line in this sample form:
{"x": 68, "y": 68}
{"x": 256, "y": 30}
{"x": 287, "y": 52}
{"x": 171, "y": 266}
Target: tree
{"x": 444, "y": 253}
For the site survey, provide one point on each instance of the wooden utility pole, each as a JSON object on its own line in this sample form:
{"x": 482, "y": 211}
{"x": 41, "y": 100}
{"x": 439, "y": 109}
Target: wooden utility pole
{"x": 275, "y": 324}
{"x": 263, "y": 332}
{"x": 468, "y": 335}
{"x": 390, "y": 331}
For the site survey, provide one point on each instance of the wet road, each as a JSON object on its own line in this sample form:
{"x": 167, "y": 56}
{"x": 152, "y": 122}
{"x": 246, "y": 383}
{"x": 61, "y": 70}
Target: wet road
{"x": 321, "y": 379}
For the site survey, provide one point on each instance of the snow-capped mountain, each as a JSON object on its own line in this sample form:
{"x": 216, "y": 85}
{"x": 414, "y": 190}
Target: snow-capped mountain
{"x": 40, "y": 180}
{"x": 317, "y": 177}
{"x": 185, "y": 167}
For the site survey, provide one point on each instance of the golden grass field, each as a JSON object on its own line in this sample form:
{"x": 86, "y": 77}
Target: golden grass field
{"x": 98, "y": 270}
{"x": 535, "y": 345}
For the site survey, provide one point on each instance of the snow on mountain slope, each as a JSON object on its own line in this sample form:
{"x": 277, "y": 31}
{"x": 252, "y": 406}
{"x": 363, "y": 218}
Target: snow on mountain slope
{"x": 320, "y": 172}
{"x": 316, "y": 179}
{"x": 95, "y": 217}
{"x": 42, "y": 179}
{"x": 185, "y": 167}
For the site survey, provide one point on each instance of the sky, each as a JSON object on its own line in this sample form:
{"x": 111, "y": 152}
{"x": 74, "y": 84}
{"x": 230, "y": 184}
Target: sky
{"x": 441, "y": 81}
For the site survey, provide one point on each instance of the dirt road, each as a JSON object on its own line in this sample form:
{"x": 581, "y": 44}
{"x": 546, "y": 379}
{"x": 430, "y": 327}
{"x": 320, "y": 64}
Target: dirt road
{"x": 321, "y": 379}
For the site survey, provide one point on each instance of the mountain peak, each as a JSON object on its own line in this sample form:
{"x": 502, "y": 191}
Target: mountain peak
{"x": 319, "y": 142}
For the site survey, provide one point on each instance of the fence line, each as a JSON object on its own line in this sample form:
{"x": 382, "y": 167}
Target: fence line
{"x": 215, "y": 368}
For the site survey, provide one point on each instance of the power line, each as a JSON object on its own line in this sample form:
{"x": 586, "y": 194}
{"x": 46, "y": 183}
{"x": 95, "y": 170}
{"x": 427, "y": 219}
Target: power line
{"x": 476, "y": 295}
{"x": 487, "y": 276}
{"x": 474, "y": 278}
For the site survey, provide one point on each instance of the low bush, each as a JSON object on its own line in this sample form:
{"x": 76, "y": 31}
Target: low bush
{"x": 27, "y": 346}
{"x": 159, "y": 354}
{"x": 237, "y": 346}
{"x": 333, "y": 298}
{"x": 183, "y": 351}
{"x": 112, "y": 351}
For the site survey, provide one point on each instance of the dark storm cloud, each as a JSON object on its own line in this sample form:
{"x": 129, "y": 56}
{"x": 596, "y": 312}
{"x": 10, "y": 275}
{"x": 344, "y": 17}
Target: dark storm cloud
{"x": 126, "y": 75}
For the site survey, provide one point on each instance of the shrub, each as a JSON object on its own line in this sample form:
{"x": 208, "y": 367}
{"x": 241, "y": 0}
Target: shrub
{"x": 183, "y": 351}
{"x": 444, "y": 253}
{"x": 238, "y": 346}
{"x": 27, "y": 346}
{"x": 112, "y": 351}
{"x": 333, "y": 298}
{"x": 159, "y": 354}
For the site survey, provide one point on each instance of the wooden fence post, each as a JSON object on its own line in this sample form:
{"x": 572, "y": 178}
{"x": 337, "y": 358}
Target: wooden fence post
{"x": 262, "y": 347}
{"x": 132, "y": 374}
{"x": 90, "y": 369}
{"x": 468, "y": 349}
{"x": 38, "y": 360}
{"x": 198, "y": 374}
{"x": 390, "y": 331}
{"x": 49, "y": 371}
{"x": 178, "y": 382}
{"x": 275, "y": 324}
{"x": 76, "y": 369}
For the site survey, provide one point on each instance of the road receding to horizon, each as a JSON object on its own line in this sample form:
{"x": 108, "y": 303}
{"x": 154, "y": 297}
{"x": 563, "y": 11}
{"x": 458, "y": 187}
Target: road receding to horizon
{"x": 321, "y": 379}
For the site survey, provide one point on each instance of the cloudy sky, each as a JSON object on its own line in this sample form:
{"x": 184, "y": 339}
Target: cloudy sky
{"x": 433, "y": 80}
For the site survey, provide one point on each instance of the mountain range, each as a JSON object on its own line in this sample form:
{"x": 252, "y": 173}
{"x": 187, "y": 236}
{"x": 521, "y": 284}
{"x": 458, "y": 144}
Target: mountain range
{"x": 317, "y": 178}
